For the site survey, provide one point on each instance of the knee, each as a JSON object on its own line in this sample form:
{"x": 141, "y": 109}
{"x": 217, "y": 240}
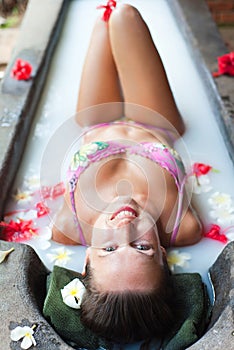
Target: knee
{"x": 124, "y": 13}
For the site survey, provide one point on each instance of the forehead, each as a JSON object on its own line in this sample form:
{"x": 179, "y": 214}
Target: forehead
{"x": 137, "y": 274}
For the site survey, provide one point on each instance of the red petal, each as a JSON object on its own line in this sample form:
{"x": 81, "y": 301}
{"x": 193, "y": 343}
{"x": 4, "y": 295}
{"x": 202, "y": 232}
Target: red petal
{"x": 201, "y": 169}
{"x": 214, "y": 233}
{"x": 42, "y": 209}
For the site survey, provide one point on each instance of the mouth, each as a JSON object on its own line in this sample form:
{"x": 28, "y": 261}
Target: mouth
{"x": 125, "y": 213}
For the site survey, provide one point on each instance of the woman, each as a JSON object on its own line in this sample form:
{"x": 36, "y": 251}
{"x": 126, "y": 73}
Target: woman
{"x": 126, "y": 198}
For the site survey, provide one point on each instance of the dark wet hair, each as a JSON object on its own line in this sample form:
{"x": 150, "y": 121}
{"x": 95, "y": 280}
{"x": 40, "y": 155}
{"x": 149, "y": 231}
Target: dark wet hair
{"x": 128, "y": 316}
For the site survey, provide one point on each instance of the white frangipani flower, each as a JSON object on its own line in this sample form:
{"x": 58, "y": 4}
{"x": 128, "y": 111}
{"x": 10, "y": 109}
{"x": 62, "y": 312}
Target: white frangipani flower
{"x": 4, "y": 254}
{"x": 72, "y": 293}
{"x": 32, "y": 182}
{"x": 200, "y": 184}
{"x": 223, "y": 215}
{"x": 177, "y": 259}
{"x": 60, "y": 256}
{"x": 22, "y": 197}
{"x": 26, "y": 333}
{"x": 22, "y": 215}
{"x": 220, "y": 200}
{"x": 43, "y": 238}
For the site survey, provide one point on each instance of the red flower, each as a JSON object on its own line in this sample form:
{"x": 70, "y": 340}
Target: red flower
{"x": 22, "y": 70}
{"x": 42, "y": 209}
{"x": 17, "y": 231}
{"x": 108, "y": 9}
{"x": 214, "y": 233}
{"x": 201, "y": 169}
{"x": 225, "y": 65}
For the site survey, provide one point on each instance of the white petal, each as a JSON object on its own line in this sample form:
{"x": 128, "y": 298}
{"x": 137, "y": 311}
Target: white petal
{"x": 30, "y": 215}
{"x": 72, "y": 293}
{"x": 27, "y": 342}
{"x": 17, "y": 333}
{"x": 45, "y": 232}
{"x": 4, "y": 253}
{"x": 203, "y": 180}
{"x": 72, "y": 302}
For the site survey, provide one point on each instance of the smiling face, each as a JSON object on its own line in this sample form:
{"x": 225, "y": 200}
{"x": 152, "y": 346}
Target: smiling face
{"x": 125, "y": 253}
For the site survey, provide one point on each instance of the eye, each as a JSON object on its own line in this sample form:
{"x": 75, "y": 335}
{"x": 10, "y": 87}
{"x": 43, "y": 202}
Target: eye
{"x": 109, "y": 249}
{"x": 142, "y": 247}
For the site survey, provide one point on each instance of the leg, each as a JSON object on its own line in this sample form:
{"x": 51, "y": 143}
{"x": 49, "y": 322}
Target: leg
{"x": 142, "y": 75}
{"x": 99, "y": 81}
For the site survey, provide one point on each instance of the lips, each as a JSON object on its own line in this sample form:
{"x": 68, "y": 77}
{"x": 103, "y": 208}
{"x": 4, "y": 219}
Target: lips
{"x": 124, "y": 213}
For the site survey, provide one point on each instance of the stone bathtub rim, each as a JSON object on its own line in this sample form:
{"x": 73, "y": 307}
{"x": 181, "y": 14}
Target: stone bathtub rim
{"x": 23, "y": 273}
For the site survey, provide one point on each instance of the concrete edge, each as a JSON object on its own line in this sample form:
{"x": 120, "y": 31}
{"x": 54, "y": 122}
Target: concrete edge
{"x": 22, "y": 286}
{"x": 19, "y": 99}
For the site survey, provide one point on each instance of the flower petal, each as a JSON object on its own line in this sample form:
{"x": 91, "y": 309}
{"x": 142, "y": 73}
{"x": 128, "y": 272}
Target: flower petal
{"x": 72, "y": 293}
{"x": 220, "y": 200}
{"x": 4, "y": 254}
{"x": 17, "y": 333}
{"x": 27, "y": 342}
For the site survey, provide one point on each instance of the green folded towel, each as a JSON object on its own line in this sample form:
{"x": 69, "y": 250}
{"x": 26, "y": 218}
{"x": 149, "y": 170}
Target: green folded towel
{"x": 190, "y": 297}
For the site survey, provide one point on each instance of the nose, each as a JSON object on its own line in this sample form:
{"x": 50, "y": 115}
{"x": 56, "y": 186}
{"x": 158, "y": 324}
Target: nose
{"x": 127, "y": 233}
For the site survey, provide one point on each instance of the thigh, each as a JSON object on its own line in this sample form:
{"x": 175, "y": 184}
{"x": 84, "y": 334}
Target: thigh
{"x": 99, "y": 84}
{"x": 142, "y": 74}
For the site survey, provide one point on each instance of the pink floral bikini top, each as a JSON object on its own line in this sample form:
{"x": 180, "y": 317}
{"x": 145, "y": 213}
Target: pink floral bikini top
{"x": 159, "y": 153}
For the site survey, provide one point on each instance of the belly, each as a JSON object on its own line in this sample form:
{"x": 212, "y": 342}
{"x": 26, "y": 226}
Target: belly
{"x": 126, "y": 132}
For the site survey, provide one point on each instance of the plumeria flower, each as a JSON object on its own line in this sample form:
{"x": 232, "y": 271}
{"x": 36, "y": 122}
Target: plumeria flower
{"x": 223, "y": 215}
{"x": 43, "y": 238}
{"x": 4, "y": 254}
{"x": 32, "y": 182}
{"x": 26, "y": 333}
{"x": 218, "y": 200}
{"x": 177, "y": 259}
{"x": 200, "y": 184}
{"x": 72, "y": 293}
{"x": 23, "y": 197}
{"x": 21, "y": 215}
{"x": 60, "y": 256}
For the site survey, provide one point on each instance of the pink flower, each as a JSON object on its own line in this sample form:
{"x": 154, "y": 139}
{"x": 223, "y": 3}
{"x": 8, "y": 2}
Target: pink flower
{"x": 225, "y": 65}
{"x": 21, "y": 70}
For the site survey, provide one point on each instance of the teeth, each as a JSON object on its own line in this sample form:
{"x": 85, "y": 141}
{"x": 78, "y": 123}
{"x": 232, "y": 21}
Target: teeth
{"x": 124, "y": 213}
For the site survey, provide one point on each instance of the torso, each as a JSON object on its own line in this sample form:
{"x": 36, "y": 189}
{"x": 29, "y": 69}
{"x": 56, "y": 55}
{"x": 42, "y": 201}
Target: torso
{"x": 123, "y": 174}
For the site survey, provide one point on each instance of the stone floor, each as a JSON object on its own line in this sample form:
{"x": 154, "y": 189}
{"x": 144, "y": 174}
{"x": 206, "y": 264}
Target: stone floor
{"x": 227, "y": 34}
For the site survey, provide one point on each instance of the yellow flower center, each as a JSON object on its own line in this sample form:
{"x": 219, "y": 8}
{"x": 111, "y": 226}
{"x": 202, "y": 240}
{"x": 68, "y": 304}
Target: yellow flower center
{"x": 62, "y": 256}
{"x": 174, "y": 259}
{"x": 74, "y": 291}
